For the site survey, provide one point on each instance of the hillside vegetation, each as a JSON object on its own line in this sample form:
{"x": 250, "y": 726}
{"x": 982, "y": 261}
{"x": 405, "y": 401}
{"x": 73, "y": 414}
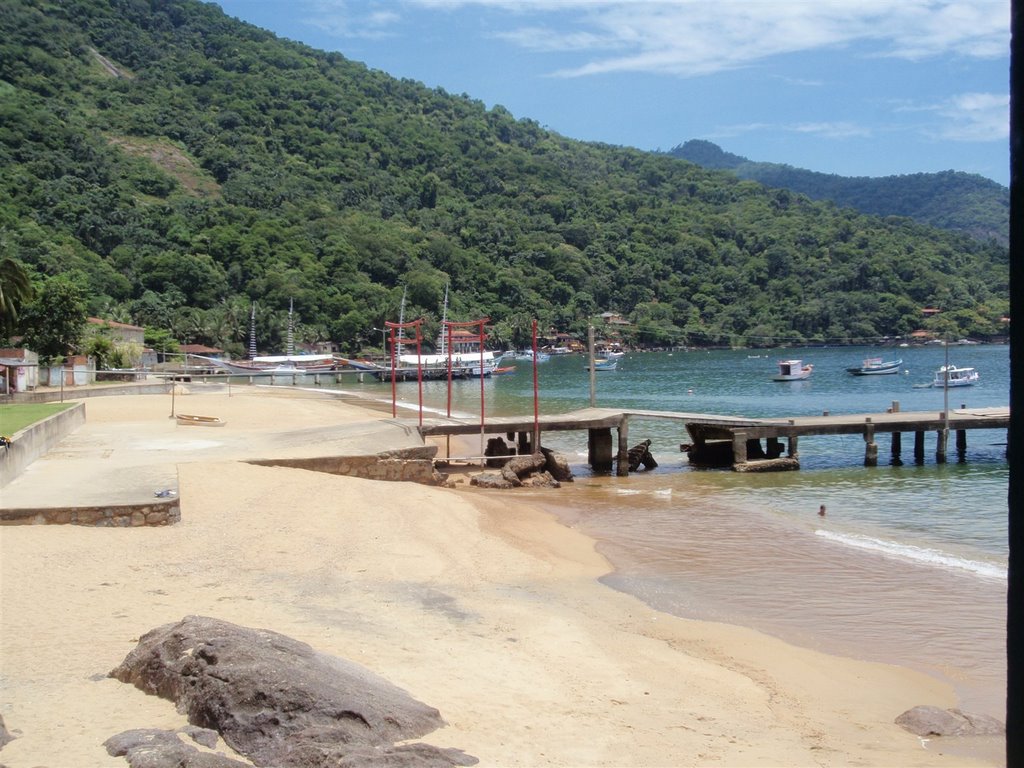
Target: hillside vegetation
{"x": 174, "y": 165}
{"x": 953, "y": 200}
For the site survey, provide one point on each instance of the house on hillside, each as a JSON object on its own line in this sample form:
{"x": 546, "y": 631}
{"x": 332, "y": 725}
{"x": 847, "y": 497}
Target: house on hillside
{"x": 119, "y": 332}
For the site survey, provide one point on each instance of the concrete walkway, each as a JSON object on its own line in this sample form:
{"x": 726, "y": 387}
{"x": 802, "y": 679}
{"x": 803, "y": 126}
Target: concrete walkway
{"x": 130, "y": 447}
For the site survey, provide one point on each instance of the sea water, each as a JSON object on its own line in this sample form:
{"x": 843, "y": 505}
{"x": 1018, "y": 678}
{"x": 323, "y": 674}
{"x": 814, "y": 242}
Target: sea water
{"x": 908, "y": 566}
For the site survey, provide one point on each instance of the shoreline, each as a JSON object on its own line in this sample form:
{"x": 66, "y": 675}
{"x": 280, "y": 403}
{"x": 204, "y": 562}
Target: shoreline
{"x": 481, "y": 604}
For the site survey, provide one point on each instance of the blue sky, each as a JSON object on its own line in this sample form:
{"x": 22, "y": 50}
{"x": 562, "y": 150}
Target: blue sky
{"x": 853, "y": 87}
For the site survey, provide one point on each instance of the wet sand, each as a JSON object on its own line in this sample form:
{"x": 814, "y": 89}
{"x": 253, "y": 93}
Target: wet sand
{"x": 475, "y": 602}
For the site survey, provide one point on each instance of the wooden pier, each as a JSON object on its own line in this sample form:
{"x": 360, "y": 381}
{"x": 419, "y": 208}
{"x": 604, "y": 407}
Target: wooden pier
{"x": 737, "y": 441}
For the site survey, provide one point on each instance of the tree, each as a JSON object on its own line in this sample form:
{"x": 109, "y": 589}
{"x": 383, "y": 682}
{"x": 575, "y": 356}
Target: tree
{"x": 15, "y": 290}
{"x": 55, "y": 321}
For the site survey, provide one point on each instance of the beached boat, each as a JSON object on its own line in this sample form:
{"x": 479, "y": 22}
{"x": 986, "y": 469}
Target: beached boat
{"x": 190, "y": 420}
{"x": 875, "y": 366}
{"x": 604, "y": 364}
{"x": 951, "y": 376}
{"x": 273, "y": 364}
{"x": 793, "y": 370}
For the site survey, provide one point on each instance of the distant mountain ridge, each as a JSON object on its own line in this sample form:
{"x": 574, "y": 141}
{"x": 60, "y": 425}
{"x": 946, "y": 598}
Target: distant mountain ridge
{"x": 953, "y": 200}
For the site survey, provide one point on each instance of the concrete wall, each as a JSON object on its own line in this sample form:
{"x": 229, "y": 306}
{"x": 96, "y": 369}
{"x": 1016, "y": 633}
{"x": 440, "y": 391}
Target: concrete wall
{"x": 413, "y": 466}
{"x": 30, "y": 443}
{"x": 163, "y": 512}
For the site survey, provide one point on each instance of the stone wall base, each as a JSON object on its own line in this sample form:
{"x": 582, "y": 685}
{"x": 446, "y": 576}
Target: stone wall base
{"x": 162, "y": 512}
{"x": 415, "y": 466}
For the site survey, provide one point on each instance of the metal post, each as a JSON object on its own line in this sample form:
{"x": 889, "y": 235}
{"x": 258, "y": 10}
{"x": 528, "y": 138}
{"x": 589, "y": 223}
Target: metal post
{"x": 536, "y": 396}
{"x": 593, "y": 376}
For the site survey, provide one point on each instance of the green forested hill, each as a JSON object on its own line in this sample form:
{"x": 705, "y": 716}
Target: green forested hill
{"x": 952, "y": 200}
{"x": 177, "y": 165}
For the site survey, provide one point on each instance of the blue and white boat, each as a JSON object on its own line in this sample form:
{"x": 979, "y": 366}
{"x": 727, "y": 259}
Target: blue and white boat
{"x": 875, "y": 366}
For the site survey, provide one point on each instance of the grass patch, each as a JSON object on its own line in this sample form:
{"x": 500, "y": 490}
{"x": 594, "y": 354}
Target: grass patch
{"x": 17, "y": 417}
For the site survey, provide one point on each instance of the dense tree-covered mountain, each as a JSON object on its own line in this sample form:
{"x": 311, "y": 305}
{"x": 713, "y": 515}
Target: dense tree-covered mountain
{"x": 177, "y": 164}
{"x": 952, "y": 200}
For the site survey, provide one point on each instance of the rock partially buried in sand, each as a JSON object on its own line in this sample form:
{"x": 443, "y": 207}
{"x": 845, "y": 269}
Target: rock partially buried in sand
{"x": 278, "y": 702}
{"x": 154, "y": 748}
{"x": 933, "y": 721}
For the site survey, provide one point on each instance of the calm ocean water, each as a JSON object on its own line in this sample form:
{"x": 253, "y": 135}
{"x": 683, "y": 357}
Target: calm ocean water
{"x": 909, "y": 564}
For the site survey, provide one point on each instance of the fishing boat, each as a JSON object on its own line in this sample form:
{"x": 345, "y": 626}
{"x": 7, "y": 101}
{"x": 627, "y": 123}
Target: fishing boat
{"x": 604, "y": 364}
{"x": 190, "y": 420}
{"x": 793, "y": 370}
{"x": 951, "y": 376}
{"x": 875, "y": 366}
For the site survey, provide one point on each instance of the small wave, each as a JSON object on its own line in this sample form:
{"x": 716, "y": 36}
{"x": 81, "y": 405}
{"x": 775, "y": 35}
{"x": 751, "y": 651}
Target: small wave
{"x": 917, "y": 554}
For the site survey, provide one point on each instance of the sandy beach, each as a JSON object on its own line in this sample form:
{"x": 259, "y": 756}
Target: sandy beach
{"x": 478, "y": 605}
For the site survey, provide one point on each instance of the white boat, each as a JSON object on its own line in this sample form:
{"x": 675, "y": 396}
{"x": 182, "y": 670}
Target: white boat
{"x": 542, "y": 357}
{"x": 875, "y": 366}
{"x": 951, "y": 376}
{"x": 793, "y": 370}
{"x": 269, "y": 364}
{"x": 604, "y": 365}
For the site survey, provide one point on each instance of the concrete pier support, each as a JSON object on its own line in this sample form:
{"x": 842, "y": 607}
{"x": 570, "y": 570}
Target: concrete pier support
{"x": 941, "y": 439}
{"x": 599, "y": 449}
{"x": 622, "y": 462}
{"x": 919, "y": 447}
{"x": 739, "y": 447}
{"x": 870, "y": 447}
{"x": 793, "y": 453}
{"x": 961, "y": 444}
{"x": 523, "y": 443}
{"x": 897, "y": 449}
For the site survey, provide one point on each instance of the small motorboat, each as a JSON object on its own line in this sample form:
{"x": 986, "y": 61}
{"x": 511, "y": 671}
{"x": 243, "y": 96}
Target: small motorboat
{"x": 604, "y": 364}
{"x": 951, "y": 376}
{"x": 793, "y": 370}
{"x": 874, "y": 366}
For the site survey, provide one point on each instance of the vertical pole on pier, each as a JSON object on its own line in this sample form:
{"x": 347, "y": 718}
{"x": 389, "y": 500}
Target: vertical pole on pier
{"x": 940, "y": 445}
{"x": 593, "y": 374}
{"x": 536, "y": 396}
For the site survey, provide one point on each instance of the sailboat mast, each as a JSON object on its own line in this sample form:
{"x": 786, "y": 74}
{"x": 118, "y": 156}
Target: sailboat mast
{"x": 442, "y": 342}
{"x": 290, "y": 344}
{"x": 401, "y": 323}
{"x": 252, "y": 332}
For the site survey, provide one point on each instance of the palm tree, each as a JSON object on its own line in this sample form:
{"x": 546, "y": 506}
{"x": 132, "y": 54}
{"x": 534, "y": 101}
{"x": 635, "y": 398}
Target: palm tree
{"x": 15, "y": 291}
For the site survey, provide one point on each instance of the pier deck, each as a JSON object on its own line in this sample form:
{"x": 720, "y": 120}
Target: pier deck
{"x": 735, "y": 440}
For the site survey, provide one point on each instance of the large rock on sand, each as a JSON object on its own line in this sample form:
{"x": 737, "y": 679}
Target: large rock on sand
{"x": 278, "y": 702}
{"x": 934, "y": 721}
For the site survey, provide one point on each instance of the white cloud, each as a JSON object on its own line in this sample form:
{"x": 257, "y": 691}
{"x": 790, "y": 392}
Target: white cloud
{"x": 337, "y": 18}
{"x": 832, "y": 130}
{"x": 976, "y": 117}
{"x": 699, "y": 37}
